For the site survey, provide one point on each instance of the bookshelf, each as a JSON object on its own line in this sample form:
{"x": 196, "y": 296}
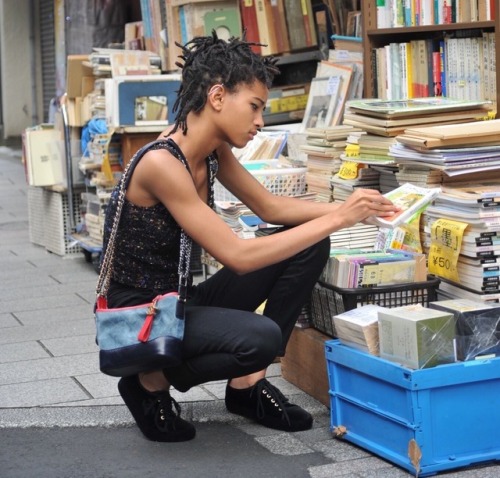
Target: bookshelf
{"x": 374, "y": 37}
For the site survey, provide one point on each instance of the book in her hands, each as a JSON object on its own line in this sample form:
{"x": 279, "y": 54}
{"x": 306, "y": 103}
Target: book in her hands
{"x": 411, "y": 199}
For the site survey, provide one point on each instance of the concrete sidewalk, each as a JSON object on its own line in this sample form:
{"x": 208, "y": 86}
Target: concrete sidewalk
{"x": 49, "y": 374}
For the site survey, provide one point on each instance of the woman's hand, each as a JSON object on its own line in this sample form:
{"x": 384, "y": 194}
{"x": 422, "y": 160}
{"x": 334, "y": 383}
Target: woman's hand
{"x": 363, "y": 204}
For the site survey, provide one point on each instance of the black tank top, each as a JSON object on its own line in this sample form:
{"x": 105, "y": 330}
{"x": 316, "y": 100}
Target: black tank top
{"x": 148, "y": 238}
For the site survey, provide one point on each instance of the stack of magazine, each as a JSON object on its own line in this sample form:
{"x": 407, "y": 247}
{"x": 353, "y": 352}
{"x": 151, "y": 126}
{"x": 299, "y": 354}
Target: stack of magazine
{"x": 393, "y": 117}
{"x": 457, "y": 149}
{"x": 478, "y": 265}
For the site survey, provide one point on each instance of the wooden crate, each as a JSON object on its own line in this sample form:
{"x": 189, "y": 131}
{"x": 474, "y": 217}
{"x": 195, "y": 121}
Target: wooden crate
{"x": 304, "y": 364}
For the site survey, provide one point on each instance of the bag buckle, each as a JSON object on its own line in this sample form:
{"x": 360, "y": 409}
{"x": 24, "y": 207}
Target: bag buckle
{"x": 152, "y": 309}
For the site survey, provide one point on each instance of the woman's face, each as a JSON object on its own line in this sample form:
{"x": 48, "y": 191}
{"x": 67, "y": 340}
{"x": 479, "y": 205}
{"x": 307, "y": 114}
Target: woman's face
{"x": 241, "y": 114}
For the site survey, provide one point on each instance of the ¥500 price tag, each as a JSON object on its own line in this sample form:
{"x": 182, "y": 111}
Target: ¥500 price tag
{"x": 446, "y": 242}
{"x": 349, "y": 170}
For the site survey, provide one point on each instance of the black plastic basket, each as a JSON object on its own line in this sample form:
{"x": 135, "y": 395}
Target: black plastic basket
{"x": 328, "y": 300}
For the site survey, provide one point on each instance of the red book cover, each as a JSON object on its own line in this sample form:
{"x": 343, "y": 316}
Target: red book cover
{"x": 436, "y": 73}
{"x": 249, "y": 20}
{"x": 307, "y": 13}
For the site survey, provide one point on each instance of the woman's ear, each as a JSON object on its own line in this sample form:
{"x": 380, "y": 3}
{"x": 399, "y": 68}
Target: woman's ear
{"x": 216, "y": 96}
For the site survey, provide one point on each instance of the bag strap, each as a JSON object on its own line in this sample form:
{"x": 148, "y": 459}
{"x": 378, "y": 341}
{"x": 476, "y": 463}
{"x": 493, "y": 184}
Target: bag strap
{"x": 186, "y": 242}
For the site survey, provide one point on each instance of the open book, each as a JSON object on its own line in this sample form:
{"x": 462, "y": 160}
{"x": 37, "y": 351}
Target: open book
{"x": 411, "y": 199}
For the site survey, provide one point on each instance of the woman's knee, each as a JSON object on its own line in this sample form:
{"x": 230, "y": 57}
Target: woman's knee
{"x": 264, "y": 344}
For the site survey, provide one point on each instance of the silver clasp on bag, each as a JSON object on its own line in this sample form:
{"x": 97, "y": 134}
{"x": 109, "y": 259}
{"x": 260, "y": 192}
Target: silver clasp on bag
{"x": 152, "y": 309}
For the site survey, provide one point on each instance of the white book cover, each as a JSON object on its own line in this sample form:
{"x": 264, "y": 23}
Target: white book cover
{"x": 411, "y": 199}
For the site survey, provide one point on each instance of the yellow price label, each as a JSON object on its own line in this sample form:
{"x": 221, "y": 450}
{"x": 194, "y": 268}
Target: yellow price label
{"x": 352, "y": 151}
{"x": 349, "y": 170}
{"x": 446, "y": 242}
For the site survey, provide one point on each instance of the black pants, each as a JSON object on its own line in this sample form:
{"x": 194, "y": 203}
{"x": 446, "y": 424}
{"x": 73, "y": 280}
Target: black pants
{"x": 224, "y": 338}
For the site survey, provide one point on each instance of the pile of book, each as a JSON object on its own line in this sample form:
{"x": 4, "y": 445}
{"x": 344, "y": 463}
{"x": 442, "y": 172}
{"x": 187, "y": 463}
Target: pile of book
{"x": 454, "y": 149}
{"x": 420, "y": 337}
{"x": 412, "y": 335}
{"x": 343, "y": 187}
{"x": 392, "y": 118}
{"x": 106, "y": 62}
{"x": 360, "y": 268}
{"x": 323, "y": 149}
{"x": 478, "y": 266}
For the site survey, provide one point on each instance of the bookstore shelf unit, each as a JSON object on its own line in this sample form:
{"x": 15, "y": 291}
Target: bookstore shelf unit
{"x": 374, "y": 37}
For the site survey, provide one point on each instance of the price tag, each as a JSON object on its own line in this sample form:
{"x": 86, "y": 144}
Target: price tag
{"x": 352, "y": 151}
{"x": 333, "y": 85}
{"x": 349, "y": 170}
{"x": 446, "y": 242}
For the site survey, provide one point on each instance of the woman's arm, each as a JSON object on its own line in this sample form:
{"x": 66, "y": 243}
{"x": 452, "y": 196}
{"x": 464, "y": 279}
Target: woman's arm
{"x": 288, "y": 211}
{"x": 161, "y": 177}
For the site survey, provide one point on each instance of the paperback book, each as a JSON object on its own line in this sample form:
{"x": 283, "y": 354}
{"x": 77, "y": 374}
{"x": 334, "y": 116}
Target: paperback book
{"x": 358, "y": 328}
{"x": 411, "y": 199}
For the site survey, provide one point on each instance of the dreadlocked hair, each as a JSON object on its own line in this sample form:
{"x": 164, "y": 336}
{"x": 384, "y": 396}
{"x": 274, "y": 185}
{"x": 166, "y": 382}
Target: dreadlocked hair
{"x": 210, "y": 60}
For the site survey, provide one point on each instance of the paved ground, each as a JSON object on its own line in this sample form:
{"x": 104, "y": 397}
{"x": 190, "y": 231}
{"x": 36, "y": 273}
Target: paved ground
{"x": 60, "y": 417}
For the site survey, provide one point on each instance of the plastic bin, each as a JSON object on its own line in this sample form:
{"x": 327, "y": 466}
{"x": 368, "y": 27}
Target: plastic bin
{"x": 449, "y": 413}
{"x": 328, "y": 300}
{"x": 281, "y": 181}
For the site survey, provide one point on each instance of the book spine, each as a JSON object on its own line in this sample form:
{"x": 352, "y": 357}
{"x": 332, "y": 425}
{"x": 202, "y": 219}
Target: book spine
{"x": 249, "y": 20}
{"x": 295, "y": 23}
{"x": 442, "y": 57}
{"x": 264, "y": 33}
{"x": 308, "y": 20}
{"x": 436, "y": 73}
{"x": 404, "y": 71}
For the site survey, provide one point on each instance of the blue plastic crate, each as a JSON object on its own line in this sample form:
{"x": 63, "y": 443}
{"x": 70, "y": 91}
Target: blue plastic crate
{"x": 450, "y": 412}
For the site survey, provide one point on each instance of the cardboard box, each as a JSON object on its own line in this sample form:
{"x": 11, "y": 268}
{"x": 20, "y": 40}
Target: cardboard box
{"x": 447, "y": 413}
{"x": 79, "y": 77}
{"x": 477, "y": 327}
{"x": 304, "y": 363}
{"x": 132, "y": 142}
{"x": 416, "y": 336}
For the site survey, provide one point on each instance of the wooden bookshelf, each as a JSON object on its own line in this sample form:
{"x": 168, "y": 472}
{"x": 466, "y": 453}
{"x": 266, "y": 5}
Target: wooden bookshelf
{"x": 374, "y": 38}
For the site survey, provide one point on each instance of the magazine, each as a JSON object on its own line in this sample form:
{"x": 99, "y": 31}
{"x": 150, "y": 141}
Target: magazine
{"x": 414, "y": 106}
{"x": 411, "y": 199}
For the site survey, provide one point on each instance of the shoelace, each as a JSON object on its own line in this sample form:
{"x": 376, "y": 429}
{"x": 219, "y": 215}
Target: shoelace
{"x": 265, "y": 390}
{"x": 165, "y": 410}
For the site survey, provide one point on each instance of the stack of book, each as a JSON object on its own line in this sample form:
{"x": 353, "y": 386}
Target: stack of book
{"x": 107, "y": 62}
{"x": 358, "y": 268}
{"x": 323, "y": 149}
{"x": 455, "y": 149}
{"x": 358, "y": 328}
{"x": 367, "y": 178}
{"x": 358, "y": 236}
{"x": 392, "y": 118}
{"x": 478, "y": 267}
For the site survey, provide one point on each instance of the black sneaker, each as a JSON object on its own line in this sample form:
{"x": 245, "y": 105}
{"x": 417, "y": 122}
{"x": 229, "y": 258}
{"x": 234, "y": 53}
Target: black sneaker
{"x": 157, "y": 414}
{"x": 265, "y": 404}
